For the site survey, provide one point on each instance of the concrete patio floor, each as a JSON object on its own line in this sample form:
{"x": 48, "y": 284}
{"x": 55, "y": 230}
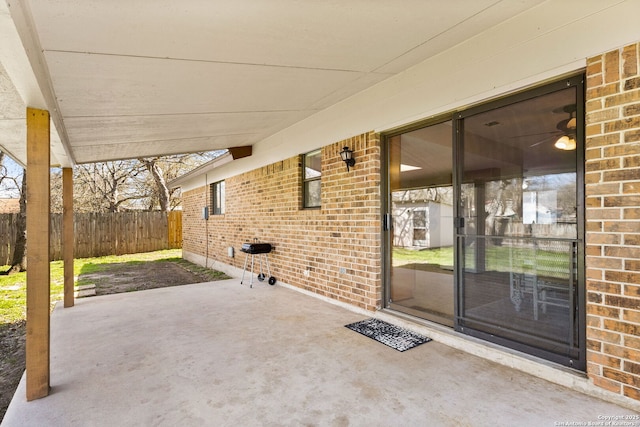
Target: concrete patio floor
{"x": 224, "y": 354}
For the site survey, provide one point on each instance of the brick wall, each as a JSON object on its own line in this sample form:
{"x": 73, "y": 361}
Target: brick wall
{"x": 193, "y": 226}
{"x": 338, "y": 245}
{"x": 613, "y": 220}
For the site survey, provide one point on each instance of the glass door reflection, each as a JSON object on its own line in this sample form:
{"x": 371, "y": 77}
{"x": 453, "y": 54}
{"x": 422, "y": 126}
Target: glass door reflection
{"x": 422, "y": 235}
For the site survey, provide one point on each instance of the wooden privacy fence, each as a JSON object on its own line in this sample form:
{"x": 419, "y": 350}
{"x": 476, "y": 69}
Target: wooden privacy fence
{"x": 99, "y": 234}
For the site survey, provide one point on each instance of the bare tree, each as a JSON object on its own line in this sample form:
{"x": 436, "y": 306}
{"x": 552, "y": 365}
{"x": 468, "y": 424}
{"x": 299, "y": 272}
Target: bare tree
{"x": 161, "y": 190}
{"x": 164, "y": 169}
{"x": 108, "y": 186}
{"x": 138, "y": 184}
{"x": 10, "y": 183}
{"x": 19, "y": 260}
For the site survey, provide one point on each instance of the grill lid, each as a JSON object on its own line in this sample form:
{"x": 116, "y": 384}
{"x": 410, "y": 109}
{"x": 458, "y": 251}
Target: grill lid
{"x": 256, "y": 248}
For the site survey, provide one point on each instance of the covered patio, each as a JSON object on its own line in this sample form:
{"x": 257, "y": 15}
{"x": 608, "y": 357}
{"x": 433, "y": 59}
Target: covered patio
{"x": 83, "y": 82}
{"x": 221, "y": 353}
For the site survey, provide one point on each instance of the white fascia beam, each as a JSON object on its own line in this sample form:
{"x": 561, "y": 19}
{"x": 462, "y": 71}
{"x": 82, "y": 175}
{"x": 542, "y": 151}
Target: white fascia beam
{"x": 22, "y": 57}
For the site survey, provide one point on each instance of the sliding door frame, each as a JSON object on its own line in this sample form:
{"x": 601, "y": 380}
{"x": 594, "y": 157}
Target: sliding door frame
{"x": 457, "y": 119}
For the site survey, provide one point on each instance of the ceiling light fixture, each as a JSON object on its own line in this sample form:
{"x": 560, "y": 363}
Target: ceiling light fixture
{"x": 567, "y": 141}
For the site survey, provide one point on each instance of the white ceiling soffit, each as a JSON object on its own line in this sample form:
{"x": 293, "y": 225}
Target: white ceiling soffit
{"x": 153, "y": 77}
{"x": 18, "y": 88}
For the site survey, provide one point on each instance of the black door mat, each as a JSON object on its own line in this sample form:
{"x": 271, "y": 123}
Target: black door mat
{"x": 388, "y": 334}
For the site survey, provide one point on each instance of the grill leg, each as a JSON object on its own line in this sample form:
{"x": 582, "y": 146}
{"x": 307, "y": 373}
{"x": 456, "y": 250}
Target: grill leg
{"x": 244, "y": 269}
{"x": 251, "y": 281}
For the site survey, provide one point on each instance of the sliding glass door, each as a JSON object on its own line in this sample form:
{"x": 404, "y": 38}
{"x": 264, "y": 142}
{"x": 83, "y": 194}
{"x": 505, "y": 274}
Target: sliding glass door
{"x": 518, "y": 244}
{"x": 484, "y": 219}
{"x": 421, "y": 208}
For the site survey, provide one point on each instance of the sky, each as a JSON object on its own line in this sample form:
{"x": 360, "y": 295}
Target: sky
{"x": 7, "y": 189}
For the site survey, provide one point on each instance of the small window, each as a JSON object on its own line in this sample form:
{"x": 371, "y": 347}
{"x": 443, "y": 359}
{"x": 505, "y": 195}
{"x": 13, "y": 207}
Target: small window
{"x": 217, "y": 198}
{"x": 311, "y": 179}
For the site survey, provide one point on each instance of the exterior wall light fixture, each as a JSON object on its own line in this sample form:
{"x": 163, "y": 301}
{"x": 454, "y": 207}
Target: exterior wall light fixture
{"x": 347, "y": 157}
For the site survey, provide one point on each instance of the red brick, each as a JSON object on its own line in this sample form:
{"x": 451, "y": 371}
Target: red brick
{"x": 594, "y": 80}
{"x": 603, "y": 188}
{"x": 611, "y": 67}
{"x": 593, "y": 178}
{"x": 605, "y": 263}
{"x": 621, "y": 175}
{"x": 593, "y": 105}
{"x": 621, "y": 352}
{"x": 631, "y": 162}
{"x": 607, "y": 213}
{"x": 594, "y": 274}
{"x": 632, "y": 316}
{"x": 604, "y": 360}
{"x": 631, "y": 213}
{"x": 632, "y": 342}
{"x": 594, "y": 346}
{"x": 630, "y": 61}
{"x": 619, "y": 301}
{"x": 602, "y": 91}
{"x": 594, "y": 297}
{"x": 631, "y": 188}
{"x": 623, "y": 327}
{"x": 622, "y": 377}
{"x": 622, "y": 201}
{"x": 593, "y": 154}
{"x": 632, "y": 264}
{"x": 607, "y": 384}
{"x": 632, "y": 136}
{"x": 603, "y": 311}
{"x": 604, "y": 336}
{"x": 594, "y": 321}
{"x": 623, "y": 98}
{"x": 622, "y": 124}
{"x": 593, "y": 130}
{"x": 594, "y": 226}
{"x": 593, "y": 369}
{"x": 601, "y": 165}
{"x": 630, "y": 110}
{"x": 604, "y": 287}
{"x": 631, "y": 84}
{"x": 619, "y": 226}
{"x": 604, "y": 115}
{"x": 594, "y": 202}
{"x": 633, "y": 368}
{"x": 622, "y": 150}
{"x": 631, "y": 392}
{"x": 593, "y": 250}
{"x": 594, "y": 67}
{"x": 603, "y": 140}
{"x": 622, "y": 251}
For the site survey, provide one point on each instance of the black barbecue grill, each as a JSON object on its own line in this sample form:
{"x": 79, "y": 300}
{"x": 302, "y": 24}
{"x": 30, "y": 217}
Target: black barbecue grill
{"x": 257, "y": 249}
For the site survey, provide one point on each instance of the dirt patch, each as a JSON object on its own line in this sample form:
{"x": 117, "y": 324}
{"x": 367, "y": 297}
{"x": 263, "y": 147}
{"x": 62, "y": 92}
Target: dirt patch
{"x": 12, "y": 353}
{"x": 138, "y": 276}
{"x": 109, "y": 279}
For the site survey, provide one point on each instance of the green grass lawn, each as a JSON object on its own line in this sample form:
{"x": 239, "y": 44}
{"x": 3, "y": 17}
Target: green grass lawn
{"x": 13, "y": 289}
{"x": 438, "y": 256}
{"x": 497, "y": 258}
